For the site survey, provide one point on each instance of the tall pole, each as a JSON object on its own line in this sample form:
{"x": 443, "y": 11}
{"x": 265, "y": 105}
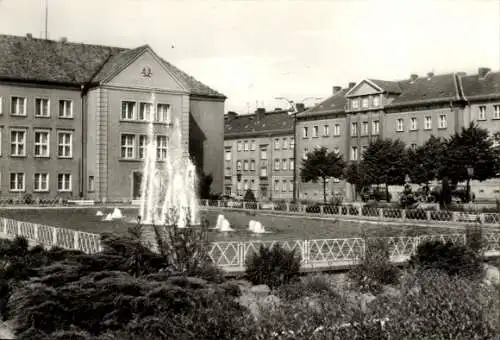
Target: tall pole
{"x": 46, "y": 19}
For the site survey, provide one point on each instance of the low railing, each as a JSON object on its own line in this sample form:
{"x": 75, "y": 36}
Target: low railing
{"x": 359, "y": 211}
{"x": 232, "y": 256}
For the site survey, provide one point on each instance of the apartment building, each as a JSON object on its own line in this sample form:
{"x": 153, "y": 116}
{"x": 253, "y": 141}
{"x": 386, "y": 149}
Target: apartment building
{"x": 259, "y": 154}
{"x": 410, "y": 110}
{"x": 74, "y": 118}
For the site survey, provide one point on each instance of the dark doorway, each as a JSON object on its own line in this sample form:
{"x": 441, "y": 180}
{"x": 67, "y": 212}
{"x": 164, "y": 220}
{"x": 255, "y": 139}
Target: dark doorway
{"x": 136, "y": 184}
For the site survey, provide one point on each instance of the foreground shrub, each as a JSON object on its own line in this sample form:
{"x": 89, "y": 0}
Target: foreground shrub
{"x": 307, "y": 286}
{"x": 453, "y": 259}
{"x": 375, "y": 268}
{"x": 273, "y": 266}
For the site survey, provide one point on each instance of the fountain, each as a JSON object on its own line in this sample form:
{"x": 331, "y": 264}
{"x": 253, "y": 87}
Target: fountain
{"x": 223, "y": 224}
{"x": 99, "y": 213}
{"x": 256, "y": 227}
{"x": 116, "y": 214}
{"x": 168, "y": 188}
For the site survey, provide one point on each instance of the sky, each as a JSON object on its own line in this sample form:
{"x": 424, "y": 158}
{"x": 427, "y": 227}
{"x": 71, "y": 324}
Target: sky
{"x": 255, "y": 51}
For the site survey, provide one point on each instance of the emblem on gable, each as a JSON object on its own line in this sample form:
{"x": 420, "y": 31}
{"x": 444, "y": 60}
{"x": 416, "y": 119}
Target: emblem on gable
{"x": 146, "y": 72}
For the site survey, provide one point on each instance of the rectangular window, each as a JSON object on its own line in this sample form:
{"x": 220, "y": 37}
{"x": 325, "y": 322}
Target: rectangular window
{"x": 239, "y": 146}
{"x": 304, "y": 154}
{"x": 227, "y": 156}
{"x": 283, "y": 186}
{"x": 64, "y": 182}
{"x": 276, "y": 144}
{"x": 245, "y": 165}
{"x": 253, "y": 145}
{"x": 284, "y": 163}
{"x": 252, "y": 165}
{"x": 238, "y": 165}
{"x": 128, "y": 110}
{"x": 326, "y": 130}
{"x": 263, "y": 172}
{"x": 285, "y": 144}
{"x": 42, "y": 142}
{"x": 354, "y": 153}
{"x": 276, "y": 185}
{"x": 482, "y": 113}
{"x": 400, "y": 125}
{"x": 363, "y": 149}
{"x": 161, "y": 148}
{"x": 375, "y": 127}
{"x": 336, "y": 130}
{"x": 376, "y": 101}
{"x": 305, "y": 132}
{"x": 1, "y": 105}
{"x": 496, "y": 114}
{"x": 245, "y": 185}
{"x": 413, "y": 123}
{"x": 292, "y": 165}
{"x": 354, "y": 129}
{"x": 315, "y": 131}
{"x": 64, "y": 144}
{"x": 91, "y": 186}
{"x": 1, "y": 144}
{"x": 65, "y": 108}
{"x": 290, "y": 186}
{"x": 414, "y": 146}
{"x": 18, "y": 106}
{"x": 442, "y": 122}
{"x": 18, "y": 142}
{"x": 364, "y": 103}
{"x": 41, "y": 182}
{"x": 276, "y": 164}
{"x": 127, "y": 146}
{"x": 143, "y": 143}
{"x": 246, "y": 146}
{"x": 292, "y": 143}
{"x": 42, "y": 107}
{"x": 145, "y": 110}
{"x": 17, "y": 181}
{"x": 163, "y": 113}
{"x": 428, "y": 122}
{"x": 364, "y": 128}
{"x": 263, "y": 153}
{"x": 355, "y": 103}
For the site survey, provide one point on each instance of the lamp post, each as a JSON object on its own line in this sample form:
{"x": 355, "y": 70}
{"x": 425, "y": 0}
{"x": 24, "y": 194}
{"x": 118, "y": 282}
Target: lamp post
{"x": 470, "y": 173}
{"x": 294, "y": 114}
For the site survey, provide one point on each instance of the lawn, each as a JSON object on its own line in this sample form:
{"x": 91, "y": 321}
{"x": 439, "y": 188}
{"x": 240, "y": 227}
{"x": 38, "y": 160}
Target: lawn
{"x": 279, "y": 227}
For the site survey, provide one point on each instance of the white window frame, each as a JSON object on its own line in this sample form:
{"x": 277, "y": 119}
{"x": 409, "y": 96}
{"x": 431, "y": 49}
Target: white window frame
{"x": 37, "y": 187}
{"x": 65, "y": 144}
{"x": 64, "y": 113}
{"x": 64, "y": 178}
{"x": 142, "y": 147}
{"x": 315, "y": 131}
{"x": 413, "y": 124}
{"x": 364, "y": 103}
{"x": 363, "y": 149}
{"x": 39, "y": 107}
{"x": 1, "y": 105}
{"x": 291, "y": 166}
{"x": 91, "y": 184}
{"x": 17, "y": 143}
{"x": 326, "y": 130}
{"x": 163, "y": 115}
{"x": 354, "y": 129}
{"x": 276, "y": 185}
{"x": 292, "y": 142}
{"x": 305, "y": 132}
{"x": 246, "y": 146}
{"x": 376, "y": 101}
{"x": 127, "y": 146}
{"x": 253, "y": 145}
{"x": 263, "y": 171}
{"x": 336, "y": 130}
{"x": 443, "y": 123}
{"x": 284, "y": 144}
{"x": 283, "y": 185}
{"x": 40, "y": 144}
{"x": 245, "y": 165}
{"x": 227, "y": 155}
{"x": 145, "y": 115}
{"x": 355, "y": 103}
{"x": 17, "y": 106}
{"x": 161, "y": 147}
{"x": 1, "y": 145}
{"x": 276, "y": 144}
{"x": 16, "y": 181}
{"x": 252, "y": 165}
{"x": 238, "y": 165}
{"x": 126, "y": 114}
{"x": 284, "y": 164}
{"x": 482, "y": 113}
{"x": 375, "y": 127}
{"x": 276, "y": 164}
{"x": 364, "y": 128}
{"x": 263, "y": 153}
{"x": 354, "y": 153}
{"x": 400, "y": 125}
{"x": 496, "y": 114}
{"x": 428, "y": 123}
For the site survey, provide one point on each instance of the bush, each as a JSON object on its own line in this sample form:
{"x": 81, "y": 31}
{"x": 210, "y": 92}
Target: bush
{"x": 273, "y": 266}
{"x": 310, "y": 285}
{"x": 451, "y": 258}
{"x": 375, "y": 269}
{"x": 249, "y": 196}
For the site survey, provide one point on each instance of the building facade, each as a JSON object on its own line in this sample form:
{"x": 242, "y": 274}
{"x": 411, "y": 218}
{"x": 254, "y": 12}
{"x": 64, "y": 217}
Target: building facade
{"x": 259, "y": 155}
{"x": 74, "y": 118}
{"x": 410, "y": 110}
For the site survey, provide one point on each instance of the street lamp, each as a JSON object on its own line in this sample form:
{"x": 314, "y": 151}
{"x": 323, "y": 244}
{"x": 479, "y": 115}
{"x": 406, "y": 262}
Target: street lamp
{"x": 470, "y": 174}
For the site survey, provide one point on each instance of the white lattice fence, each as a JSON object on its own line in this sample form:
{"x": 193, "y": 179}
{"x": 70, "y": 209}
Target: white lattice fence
{"x": 252, "y": 247}
{"x": 226, "y": 254}
{"x": 329, "y": 250}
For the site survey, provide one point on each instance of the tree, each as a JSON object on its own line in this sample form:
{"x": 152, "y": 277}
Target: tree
{"x": 321, "y": 164}
{"x": 385, "y": 162}
{"x": 471, "y": 147}
{"x": 426, "y": 162}
{"x": 249, "y": 196}
{"x": 354, "y": 174}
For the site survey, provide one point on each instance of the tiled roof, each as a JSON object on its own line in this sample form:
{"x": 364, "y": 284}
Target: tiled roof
{"x": 270, "y": 123}
{"x": 40, "y": 60}
{"x": 475, "y": 87}
{"x": 437, "y": 88}
{"x": 387, "y": 85}
{"x": 332, "y": 105}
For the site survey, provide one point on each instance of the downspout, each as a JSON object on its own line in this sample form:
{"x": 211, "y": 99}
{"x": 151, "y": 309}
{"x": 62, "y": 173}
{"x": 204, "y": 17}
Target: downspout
{"x": 83, "y": 139}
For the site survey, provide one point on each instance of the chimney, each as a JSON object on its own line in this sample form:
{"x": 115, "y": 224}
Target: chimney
{"x": 300, "y": 107}
{"x": 260, "y": 113}
{"x": 413, "y": 77}
{"x": 483, "y": 71}
{"x": 336, "y": 89}
{"x": 430, "y": 75}
{"x": 29, "y": 36}
{"x": 63, "y": 40}
{"x": 351, "y": 85}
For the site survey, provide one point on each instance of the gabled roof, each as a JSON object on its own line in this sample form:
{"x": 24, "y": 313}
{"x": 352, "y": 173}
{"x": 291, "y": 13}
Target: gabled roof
{"x": 274, "y": 122}
{"x": 387, "y": 85}
{"x": 332, "y": 105}
{"x": 40, "y": 60}
{"x": 438, "y": 88}
{"x": 478, "y": 88}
